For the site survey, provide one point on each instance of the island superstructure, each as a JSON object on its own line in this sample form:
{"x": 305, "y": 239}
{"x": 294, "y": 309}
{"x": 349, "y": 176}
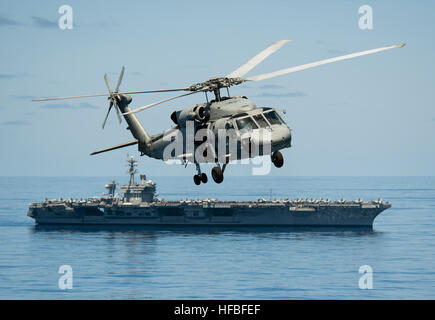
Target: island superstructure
{"x": 138, "y": 204}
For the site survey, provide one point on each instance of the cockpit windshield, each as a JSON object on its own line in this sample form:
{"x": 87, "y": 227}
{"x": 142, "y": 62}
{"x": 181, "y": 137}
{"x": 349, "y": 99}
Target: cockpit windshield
{"x": 261, "y": 121}
{"x": 246, "y": 124}
{"x": 273, "y": 117}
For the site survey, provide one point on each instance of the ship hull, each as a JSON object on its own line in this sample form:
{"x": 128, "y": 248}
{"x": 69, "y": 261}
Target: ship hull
{"x": 222, "y": 214}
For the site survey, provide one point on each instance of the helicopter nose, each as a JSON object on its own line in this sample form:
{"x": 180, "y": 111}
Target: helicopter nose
{"x": 281, "y": 138}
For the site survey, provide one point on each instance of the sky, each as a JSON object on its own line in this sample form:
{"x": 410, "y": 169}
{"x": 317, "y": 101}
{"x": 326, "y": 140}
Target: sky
{"x": 369, "y": 116}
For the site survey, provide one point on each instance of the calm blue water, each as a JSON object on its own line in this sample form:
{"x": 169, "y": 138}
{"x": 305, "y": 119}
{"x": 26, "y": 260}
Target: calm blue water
{"x": 138, "y": 263}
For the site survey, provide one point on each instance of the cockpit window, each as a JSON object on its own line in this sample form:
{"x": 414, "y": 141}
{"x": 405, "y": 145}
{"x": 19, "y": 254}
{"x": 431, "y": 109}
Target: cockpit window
{"x": 273, "y": 117}
{"x": 246, "y": 124}
{"x": 229, "y": 125}
{"x": 261, "y": 121}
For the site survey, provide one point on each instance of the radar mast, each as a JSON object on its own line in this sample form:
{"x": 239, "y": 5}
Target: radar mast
{"x": 132, "y": 164}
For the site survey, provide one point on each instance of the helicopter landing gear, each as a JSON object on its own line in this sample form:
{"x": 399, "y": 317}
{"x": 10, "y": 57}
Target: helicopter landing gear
{"x": 197, "y": 179}
{"x": 218, "y": 174}
{"x": 204, "y": 178}
{"x": 200, "y": 177}
{"x": 277, "y": 159}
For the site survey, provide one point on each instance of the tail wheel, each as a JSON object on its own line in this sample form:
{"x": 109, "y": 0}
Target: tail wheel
{"x": 278, "y": 159}
{"x": 217, "y": 174}
{"x": 204, "y": 178}
{"x": 197, "y": 179}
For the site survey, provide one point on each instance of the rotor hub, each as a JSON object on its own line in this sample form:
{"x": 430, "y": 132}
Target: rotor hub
{"x": 216, "y": 83}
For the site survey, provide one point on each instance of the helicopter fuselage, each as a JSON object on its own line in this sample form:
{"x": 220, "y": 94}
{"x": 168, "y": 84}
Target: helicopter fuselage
{"x": 201, "y": 129}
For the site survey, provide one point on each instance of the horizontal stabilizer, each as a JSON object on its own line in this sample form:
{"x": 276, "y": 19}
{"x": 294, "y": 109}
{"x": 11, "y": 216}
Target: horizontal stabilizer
{"x": 115, "y": 147}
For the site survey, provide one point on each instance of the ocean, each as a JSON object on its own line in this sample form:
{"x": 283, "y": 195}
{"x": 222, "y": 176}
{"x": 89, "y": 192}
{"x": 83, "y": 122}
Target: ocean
{"x": 207, "y": 263}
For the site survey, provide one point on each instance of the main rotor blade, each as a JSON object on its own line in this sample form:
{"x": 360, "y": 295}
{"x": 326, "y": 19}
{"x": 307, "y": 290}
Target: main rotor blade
{"x": 106, "y": 78}
{"x": 105, "y": 94}
{"x": 156, "y": 91}
{"x": 107, "y": 114}
{"x": 71, "y": 97}
{"x": 158, "y": 102}
{"x": 319, "y": 63}
{"x": 119, "y": 79}
{"x": 250, "y": 64}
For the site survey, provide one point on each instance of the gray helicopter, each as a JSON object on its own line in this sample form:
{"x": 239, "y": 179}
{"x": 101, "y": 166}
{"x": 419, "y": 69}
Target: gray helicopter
{"x": 231, "y": 125}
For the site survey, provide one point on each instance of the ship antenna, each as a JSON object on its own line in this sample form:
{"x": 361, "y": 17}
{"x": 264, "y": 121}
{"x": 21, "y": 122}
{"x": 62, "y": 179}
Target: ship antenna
{"x": 132, "y": 164}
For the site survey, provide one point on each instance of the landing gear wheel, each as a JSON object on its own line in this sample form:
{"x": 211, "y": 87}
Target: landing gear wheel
{"x": 197, "y": 179}
{"x": 278, "y": 159}
{"x": 217, "y": 174}
{"x": 204, "y": 178}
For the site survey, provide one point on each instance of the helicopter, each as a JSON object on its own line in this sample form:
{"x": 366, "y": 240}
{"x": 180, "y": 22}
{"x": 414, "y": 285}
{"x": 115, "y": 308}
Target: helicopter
{"x": 241, "y": 129}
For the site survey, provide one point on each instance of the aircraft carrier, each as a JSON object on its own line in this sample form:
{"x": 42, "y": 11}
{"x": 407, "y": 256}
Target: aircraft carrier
{"x": 138, "y": 204}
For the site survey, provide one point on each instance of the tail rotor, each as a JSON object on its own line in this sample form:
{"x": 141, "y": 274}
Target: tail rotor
{"x": 113, "y": 96}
